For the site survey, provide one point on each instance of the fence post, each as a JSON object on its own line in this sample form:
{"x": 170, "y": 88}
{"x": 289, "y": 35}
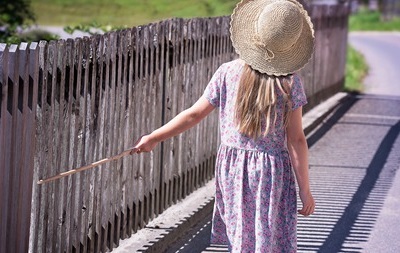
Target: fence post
{"x": 17, "y": 128}
{"x": 80, "y": 97}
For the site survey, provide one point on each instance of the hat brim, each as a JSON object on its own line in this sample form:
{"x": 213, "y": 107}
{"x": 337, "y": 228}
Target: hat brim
{"x": 285, "y": 62}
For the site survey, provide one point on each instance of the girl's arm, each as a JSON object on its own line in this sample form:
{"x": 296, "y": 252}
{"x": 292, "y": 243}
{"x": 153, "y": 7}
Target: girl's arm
{"x": 298, "y": 150}
{"x": 180, "y": 123}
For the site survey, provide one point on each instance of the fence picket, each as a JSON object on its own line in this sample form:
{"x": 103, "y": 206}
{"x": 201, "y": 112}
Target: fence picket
{"x": 4, "y": 159}
{"x": 68, "y": 103}
{"x": 100, "y": 100}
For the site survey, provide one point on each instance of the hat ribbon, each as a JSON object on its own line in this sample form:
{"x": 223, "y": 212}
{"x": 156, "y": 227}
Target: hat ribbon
{"x": 269, "y": 55}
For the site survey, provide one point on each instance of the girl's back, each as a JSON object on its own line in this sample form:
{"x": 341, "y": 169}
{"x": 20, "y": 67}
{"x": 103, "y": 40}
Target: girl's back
{"x": 222, "y": 92}
{"x": 255, "y": 203}
{"x": 263, "y": 147}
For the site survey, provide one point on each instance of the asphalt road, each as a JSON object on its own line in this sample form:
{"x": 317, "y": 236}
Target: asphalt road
{"x": 382, "y": 53}
{"x": 354, "y": 166}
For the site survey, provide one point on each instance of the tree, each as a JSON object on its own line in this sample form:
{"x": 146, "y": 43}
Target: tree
{"x": 13, "y": 14}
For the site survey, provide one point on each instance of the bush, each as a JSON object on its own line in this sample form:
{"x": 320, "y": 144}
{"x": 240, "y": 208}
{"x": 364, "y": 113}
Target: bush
{"x": 366, "y": 20}
{"x": 13, "y": 15}
{"x": 37, "y": 35}
{"x": 356, "y": 70}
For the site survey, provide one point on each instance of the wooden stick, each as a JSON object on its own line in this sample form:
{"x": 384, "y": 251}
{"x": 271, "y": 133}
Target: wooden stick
{"x": 70, "y": 172}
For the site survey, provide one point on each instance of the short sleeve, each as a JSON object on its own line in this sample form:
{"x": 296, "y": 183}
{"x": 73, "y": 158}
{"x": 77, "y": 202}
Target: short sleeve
{"x": 297, "y": 93}
{"x": 213, "y": 90}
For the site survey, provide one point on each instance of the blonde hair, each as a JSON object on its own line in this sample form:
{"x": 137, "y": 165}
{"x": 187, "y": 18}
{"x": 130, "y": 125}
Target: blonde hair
{"x": 257, "y": 99}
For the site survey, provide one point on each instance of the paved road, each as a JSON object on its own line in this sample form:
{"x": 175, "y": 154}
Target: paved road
{"x": 382, "y": 53}
{"x": 354, "y": 164}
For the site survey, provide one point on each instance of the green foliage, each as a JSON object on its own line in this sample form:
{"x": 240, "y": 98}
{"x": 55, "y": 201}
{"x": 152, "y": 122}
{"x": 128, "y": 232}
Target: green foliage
{"x": 356, "y": 67}
{"x": 13, "y": 14}
{"x": 125, "y": 12}
{"x": 366, "y": 20}
{"x": 356, "y": 70}
{"x": 29, "y": 36}
{"x": 37, "y": 35}
{"x": 92, "y": 28}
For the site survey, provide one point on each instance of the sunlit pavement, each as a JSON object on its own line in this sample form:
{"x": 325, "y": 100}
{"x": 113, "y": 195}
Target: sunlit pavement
{"x": 354, "y": 163}
{"x": 354, "y": 157}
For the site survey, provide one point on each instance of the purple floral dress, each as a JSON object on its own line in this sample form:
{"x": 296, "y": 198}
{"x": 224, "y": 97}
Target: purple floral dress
{"x": 255, "y": 201}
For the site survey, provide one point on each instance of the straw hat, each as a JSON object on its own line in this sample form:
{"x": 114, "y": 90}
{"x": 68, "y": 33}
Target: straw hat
{"x": 275, "y": 37}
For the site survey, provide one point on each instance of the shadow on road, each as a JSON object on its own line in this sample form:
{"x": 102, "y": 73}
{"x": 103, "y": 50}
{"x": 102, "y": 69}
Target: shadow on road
{"x": 354, "y": 155}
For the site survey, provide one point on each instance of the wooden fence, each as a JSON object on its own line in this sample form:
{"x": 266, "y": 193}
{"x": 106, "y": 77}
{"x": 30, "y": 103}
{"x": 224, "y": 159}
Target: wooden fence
{"x": 65, "y": 104}
{"x": 390, "y": 9}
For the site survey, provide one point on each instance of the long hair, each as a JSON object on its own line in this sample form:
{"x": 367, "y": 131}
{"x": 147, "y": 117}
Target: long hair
{"x": 257, "y": 99}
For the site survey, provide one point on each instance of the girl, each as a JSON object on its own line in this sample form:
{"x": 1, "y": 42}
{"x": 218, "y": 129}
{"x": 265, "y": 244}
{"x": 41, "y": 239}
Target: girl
{"x": 260, "y": 101}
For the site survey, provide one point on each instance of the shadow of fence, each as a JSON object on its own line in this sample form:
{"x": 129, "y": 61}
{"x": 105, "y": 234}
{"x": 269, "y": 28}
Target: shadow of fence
{"x": 65, "y": 104}
{"x": 350, "y": 182}
{"x": 354, "y": 155}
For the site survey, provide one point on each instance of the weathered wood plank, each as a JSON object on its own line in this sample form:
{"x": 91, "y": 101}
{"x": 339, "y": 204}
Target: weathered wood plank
{"x": 119, "y": 145}
{"x": 78, "y": 122}
{"x": 146, "y": 165}
{"x": 15, "y": 145}
{"x": 99, "y": 150}
{"x": 129, "y": 131}
{"x": 93, "y": 113}
{"x": 163, "y": 62}
{"x": 94, "y": 97}
{"x": 136, "y": 117}
{"x": 86, "y": 136}
{"x": 33, "y": 69}
{"x": 4, "y": 122}
{"x": 59, "y": 142}
{"x": 142, "y": 113}
{"x": 106, "y": 191}
{"x": 48, "y": 127}
{"x": 153, "y": 168}
{"x": 23, "y": 142}
{"x": 36, "y": 224}
{"x": 123, "y": 134}
{"x": 24, "y": 179}
{"x": 67, "y": 241}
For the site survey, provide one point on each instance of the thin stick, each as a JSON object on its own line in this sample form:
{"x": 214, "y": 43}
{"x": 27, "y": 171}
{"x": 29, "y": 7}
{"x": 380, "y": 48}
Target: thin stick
{"x": 70, "y": 172}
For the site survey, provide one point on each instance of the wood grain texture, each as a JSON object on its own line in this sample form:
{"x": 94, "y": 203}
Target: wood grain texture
{"x": 65, "y": 104}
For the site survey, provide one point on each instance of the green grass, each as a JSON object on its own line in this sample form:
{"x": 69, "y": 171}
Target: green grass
{"x": 366, "y": 20}
{"x": 136, "y": 12}
{"x": 356, "y": 70}
{"x": 356, "y": 67}
{"x": 124, "y": 12}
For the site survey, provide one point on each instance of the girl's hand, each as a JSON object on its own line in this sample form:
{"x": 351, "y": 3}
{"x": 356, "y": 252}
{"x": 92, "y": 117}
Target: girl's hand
{"x": 144, "y": 144}
{"x": 308, "y": 203}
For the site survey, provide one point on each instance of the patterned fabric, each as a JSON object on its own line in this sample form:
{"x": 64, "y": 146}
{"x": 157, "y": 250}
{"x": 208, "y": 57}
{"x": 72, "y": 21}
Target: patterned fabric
{"x": 255, "y": 201}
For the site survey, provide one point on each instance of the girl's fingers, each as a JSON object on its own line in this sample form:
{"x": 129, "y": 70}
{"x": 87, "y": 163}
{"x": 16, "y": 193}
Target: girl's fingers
{"x": 307, "y": 210}
{"x": 304, "y": 212}
{"x": 137, "y": 151}
{"x": 134, "y": 151}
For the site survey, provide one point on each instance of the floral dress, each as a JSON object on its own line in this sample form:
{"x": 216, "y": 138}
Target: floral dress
{"x": 255, "y": 201}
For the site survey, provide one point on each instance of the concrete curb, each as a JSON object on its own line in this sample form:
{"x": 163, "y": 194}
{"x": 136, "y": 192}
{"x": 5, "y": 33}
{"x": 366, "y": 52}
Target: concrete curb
{"x": 174, "y": 222}
{"x": 316, "y": 115}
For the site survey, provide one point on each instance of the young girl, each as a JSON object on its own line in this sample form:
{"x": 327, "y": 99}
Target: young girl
{"x": 260, "y": 103}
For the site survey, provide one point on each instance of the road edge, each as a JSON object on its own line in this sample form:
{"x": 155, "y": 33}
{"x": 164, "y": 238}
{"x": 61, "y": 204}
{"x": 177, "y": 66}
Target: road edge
{"x": 173, "y": 223}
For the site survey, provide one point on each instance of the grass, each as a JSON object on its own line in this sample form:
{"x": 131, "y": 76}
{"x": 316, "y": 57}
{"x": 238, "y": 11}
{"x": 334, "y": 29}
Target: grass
{"x": 124, "y": 12}
{"x": 366, "y": 20}
{"x": 356, "y": 67}
{"x": 356, "y": 70}
{"x": 137, "y": 12}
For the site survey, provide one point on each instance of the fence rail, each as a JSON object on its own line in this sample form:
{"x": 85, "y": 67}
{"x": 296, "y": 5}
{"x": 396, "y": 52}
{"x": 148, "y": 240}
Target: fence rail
{"x": 68, "y": 103}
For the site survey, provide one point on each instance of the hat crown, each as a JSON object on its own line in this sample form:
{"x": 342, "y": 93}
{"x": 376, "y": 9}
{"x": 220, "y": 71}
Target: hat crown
{"x": 279, "y": 25}
{"x": 275, "y": 37}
